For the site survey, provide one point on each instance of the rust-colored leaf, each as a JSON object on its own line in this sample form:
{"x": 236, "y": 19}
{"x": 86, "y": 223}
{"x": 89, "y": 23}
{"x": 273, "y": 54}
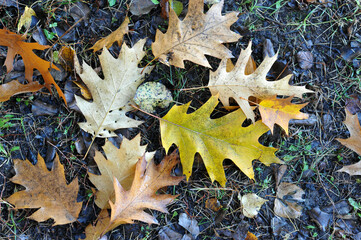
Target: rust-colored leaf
{"x": 116, "y": 36}
{"x": 280, "y": 110}
{"x": 148, "y": 179}
{"x": 14, "y": 87}
{"x": 16, "y": 46}
{"x": 46, "y": 190}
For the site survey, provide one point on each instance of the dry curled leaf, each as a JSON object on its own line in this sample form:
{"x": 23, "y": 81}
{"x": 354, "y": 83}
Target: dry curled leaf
{"x": 25, "y": 19}
{"x": 353, "y": 142}
{"x": 119, "y": 163}
{"x": 46, "y": 190}
{"x": 251, "y": 204}
{"x": 287, "y": 202}
{"x": 111, "y": 95}
{"x": 148, "y": 179}
{"x": 16, "y": 46}
{"x": 116, "y": 36}
{"x": 280, "y": 110}
{"x": 197, "y": 35}
{"x": 236, "y": 84}
{"x": 215, "y": 139}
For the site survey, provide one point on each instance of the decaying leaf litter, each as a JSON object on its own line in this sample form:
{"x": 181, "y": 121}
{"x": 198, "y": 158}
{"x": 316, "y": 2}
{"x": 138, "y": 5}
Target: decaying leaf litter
{"x": 311, "y": 153}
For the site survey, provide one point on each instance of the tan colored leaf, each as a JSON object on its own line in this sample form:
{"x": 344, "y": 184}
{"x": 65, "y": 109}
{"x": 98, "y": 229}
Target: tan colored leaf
{"x": 120, "y": 163}
{"x": 94, "y": 232}
{"x": 112, "y": 95}
{"x": 213, "y": 204}
{"x": 215, "y": 139}
{"x": 25, "y": 19}
{"x": 251, "y": 204}
{"x": 197, "y": 35}
{"x": 16, "y": 46}
{"x": 116, "y": 36}
{"x": 14, "y": 87}
{"x": 46, "y": 190}
{"x": 148, "y": 179}
{"x": 83, "y": 90}
{"x": 353, "y": 142}
{"x": 66, "y": 58}
{"x": 236, "y": 84}
{"x": 287, "y": 202}
{"x": 280, "y": 110}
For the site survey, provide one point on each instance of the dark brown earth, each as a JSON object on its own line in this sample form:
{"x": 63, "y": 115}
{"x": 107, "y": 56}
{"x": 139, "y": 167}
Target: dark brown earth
{"x": 331, "y": 31}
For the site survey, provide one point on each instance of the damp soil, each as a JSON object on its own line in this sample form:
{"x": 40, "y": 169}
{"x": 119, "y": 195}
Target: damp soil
{"x": 312, "y": 155}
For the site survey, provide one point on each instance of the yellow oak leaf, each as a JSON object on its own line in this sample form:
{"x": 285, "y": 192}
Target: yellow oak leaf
{"x": 25, "y": 19}
{"x": 119, "y": 163}
{"x": 46, "y": 190}
{"x": 215, "y": 139}
{"x": 240, "y": 86}
{"x": 111, "y": 95}
{"x": 197, "y": 35}
{"x": 353, "y": 142}
{"x": 116, "y": 36}
{"x": 277, "y": 110}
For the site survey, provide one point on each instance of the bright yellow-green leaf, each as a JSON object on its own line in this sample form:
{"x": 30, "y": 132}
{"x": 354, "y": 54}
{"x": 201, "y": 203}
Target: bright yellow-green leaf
{"x": 25, "y": 19}
{"x": 215, "y": 139}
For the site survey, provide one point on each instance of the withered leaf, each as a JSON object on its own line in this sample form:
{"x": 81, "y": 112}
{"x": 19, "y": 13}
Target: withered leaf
{"x": 197, "y": 35}
{"x": 46, "y": 190}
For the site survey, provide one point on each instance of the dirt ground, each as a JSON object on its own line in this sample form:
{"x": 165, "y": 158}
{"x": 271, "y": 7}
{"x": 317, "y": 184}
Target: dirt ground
{"x": 330, "y": 30}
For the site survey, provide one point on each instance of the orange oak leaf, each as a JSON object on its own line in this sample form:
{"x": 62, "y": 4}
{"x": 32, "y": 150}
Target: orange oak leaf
{"x": 94, "y": 232}
{"x": 14, "y": 87}
{"x": 148, "y": 179}
{"x": 196, "y": 35}
{"x": 16, "y": 46}
{"x": 353, "y": 142}
{"x": 280, "y": 110}
{"x": 116, "y": 36}
{"x": 46, "y": 190}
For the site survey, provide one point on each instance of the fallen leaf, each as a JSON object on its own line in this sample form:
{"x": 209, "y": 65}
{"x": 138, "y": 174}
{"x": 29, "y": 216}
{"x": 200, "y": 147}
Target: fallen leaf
{"x": 94, "y": 232}
{"x": 213, "y": 204}
{"x": 321, "y": 218}
{"x": 25, "y": 19}
{"x": 148, "y": 179}
{"x": 215, "y": 139}
{"x": 112, "y": 95}
{"x": 305, "y": 59}
{"x": 85, "y": 93}
{"x": 116, "y": 36}
{"x": 165, "y": 233}
{"x": 353, "y": 142}
{"x": 119, "y": 163}
{"x": 14, "y": 87}
{"x": 46, "y": 190}
{"x": 190, "y": 224}
{"x": 288, "y": 197}
{"x": 16, "y": 46}
{"x": 196, "y": 35}
{"x": 280, "y": 110}
{"x": 353, "y": 104}
{"x": 236, "y": 84}
{"x": 140, "y": 7}
{"x": 66, "y": 58}
{"x": 251, "y": 204}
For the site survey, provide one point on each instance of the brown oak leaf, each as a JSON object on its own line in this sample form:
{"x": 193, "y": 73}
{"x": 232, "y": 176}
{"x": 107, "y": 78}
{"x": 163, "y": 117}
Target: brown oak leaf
{"x": 196, "y": 35}
{"x": 17, "y": 46}
{"x": 46, "y": 190}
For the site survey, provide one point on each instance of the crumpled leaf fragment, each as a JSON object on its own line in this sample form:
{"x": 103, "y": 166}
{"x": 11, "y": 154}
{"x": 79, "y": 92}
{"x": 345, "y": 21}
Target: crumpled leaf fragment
{"x": 287, "y": 202}
{"x": 116, "y": 36}
{"x": 25, "y": 19}
{"x": 190, "y": 224}
{"x": 251, "y": 204}
{"x": 353, "y": 142}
